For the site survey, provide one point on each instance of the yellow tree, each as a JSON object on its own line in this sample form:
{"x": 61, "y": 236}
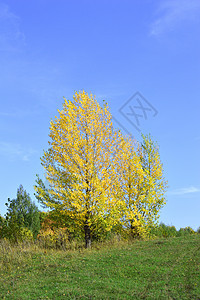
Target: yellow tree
{"x": 79, "y": 165}
{"x": 130, "y": 176}
{"x": 141, "y": 183}
{"x": 154, "y": 184}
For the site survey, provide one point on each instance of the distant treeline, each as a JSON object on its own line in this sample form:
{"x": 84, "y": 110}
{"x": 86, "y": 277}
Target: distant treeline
{"x": 24, "y": 222}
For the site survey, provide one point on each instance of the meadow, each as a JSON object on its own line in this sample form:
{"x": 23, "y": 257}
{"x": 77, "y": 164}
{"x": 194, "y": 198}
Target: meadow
{"x": 161, "y": 268}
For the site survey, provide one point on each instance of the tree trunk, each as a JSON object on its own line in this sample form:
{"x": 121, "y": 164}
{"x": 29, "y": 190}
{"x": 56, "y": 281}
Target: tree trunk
{"x": 87, "y": 236}
{"x": 134, "y": 231}
{"x": 87, "y": 227}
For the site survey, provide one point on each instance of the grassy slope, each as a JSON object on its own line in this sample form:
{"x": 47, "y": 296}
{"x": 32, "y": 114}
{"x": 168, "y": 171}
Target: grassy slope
{"x": 156, "y": 269}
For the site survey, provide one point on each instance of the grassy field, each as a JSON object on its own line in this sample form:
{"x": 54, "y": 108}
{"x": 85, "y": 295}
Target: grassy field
{"x": 155, "y": 269}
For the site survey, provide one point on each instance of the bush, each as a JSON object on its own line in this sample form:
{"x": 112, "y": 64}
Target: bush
{"x": 185, "y": 231}
{"x": 163, "y": 230}
{"x": 53, "y": 239}
{"x": 166, "y": 231}
{"x": 25, "y": 235}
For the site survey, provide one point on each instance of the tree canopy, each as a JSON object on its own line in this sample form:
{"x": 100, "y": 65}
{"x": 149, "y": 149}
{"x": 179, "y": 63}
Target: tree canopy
{"x": 98, "y": 177}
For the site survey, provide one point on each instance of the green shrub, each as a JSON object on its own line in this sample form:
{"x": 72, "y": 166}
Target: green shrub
{"x": 185, "y": 231}
{"x": 163, "y": 230}
{"x": 53, "y": 239}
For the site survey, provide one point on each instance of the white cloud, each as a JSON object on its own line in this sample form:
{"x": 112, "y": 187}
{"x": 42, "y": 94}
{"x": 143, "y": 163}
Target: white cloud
{"x": 172, "y": 13}
{"x": 183, "y": 191}
{"x": 11, "y": 36}
{"x": 16, "y": 151}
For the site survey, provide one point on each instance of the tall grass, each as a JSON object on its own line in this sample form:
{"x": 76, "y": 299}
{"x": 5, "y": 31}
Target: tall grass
{"x": 154, "y": 269}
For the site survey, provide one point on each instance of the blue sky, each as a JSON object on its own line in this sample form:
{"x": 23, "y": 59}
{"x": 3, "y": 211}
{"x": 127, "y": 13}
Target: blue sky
{"x": 133, "y": 54}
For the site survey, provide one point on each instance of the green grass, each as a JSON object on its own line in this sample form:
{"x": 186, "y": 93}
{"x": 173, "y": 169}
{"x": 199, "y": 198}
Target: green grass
{"x": 155, "y": 269}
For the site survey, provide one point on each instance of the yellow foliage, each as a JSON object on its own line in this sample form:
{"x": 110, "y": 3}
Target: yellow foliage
{"x": 98, "y": 176}
{"x": 80, "y": 162}
{"x": 141, "y": 183}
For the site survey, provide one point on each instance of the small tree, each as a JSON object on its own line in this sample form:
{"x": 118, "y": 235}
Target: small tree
{"x": 141, "y": 184}
{"x": 154, "y": 185}
{"x": 21, "y": 213}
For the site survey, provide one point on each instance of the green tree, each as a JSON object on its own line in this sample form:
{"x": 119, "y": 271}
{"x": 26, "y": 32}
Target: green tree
{"x": 21, "y": 213}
